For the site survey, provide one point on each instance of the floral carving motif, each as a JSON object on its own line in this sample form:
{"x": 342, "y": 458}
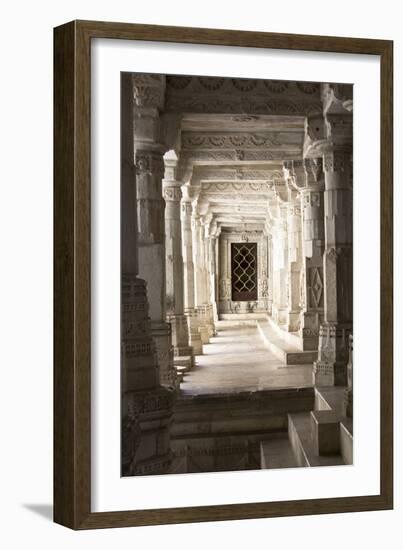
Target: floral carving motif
{"x": 179, "y": 82}
{"x": 308, "y": 87}
{"x": 276, "y": 86}
{"x": 244, "y": 84}
{"x": 211, "y": 83}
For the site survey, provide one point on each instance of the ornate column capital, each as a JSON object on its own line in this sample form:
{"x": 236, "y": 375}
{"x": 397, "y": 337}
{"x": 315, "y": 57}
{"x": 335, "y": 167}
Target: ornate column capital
{"x": 189, "y": 193}
{"x": 171, "y": 187}
{"x": 315, "y": 139}
{"x": 337, "y": 98}
{"x": 314, "y": 176}
{"x": 149, "y": 162}
{"x": 149, "y": 90}
{"x": 339, "y": 130}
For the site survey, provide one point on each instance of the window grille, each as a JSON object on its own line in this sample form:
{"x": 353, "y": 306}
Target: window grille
{"x": 244, "y": 271}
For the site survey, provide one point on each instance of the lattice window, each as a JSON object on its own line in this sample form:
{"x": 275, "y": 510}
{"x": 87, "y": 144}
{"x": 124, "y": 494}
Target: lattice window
{"x": 244, "y": 271}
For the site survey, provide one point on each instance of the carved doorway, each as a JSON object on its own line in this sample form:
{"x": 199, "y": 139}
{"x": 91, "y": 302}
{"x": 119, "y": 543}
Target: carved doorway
{"x": 244, "y": 272}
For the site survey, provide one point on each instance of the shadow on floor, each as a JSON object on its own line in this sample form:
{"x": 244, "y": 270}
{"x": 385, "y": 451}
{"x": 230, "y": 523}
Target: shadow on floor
{"x": 44, "y": 510}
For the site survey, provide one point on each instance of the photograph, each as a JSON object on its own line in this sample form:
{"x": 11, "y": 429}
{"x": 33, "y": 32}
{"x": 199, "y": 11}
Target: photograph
{"x": 236, "y": 274}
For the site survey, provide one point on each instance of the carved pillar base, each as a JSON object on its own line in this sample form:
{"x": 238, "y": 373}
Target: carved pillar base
{"x": 293, "y": 321}
{"x": 161, "y": 333}
{"x": 180, "y": 336}
{"x": 193, "y": 330}
{"x": 210, "y": 320}
{"x": 280, "y": 315}
{"x": 310, "y": 330}
{"x": 145, "y": 432}
{"x": 331, "y": 367}
{"x": 203, "y": 325}
{"x": 139, "y": 363}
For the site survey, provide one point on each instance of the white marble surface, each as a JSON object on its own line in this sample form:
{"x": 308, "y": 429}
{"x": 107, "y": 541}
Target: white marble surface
{"x": 237, "y": 360}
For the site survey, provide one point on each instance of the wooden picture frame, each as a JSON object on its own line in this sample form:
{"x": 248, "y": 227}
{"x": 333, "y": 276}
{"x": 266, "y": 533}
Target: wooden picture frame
{"x": 72, "y": 319}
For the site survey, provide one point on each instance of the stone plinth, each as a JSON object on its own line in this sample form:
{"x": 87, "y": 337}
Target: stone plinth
{"x": 326, "y": 432}
{"x": 145, "y": 432}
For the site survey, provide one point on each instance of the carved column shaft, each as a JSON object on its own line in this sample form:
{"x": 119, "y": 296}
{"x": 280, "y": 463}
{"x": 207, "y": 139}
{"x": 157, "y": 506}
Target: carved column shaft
{"x": 151, "y": 231}
{"x": 308, "y": 179}
{"x": 189, "y": 276}
{"x": 294, "y": 263}
{"x": 213, "y": 275}
{"x": 142, "y": 396}
{"x": 208, "y": 267}
{"x": 280, "y": 267}
{"x": 331, "y": 367}
{"x": 199, "y": 274}
{"x": 174, "y": 263}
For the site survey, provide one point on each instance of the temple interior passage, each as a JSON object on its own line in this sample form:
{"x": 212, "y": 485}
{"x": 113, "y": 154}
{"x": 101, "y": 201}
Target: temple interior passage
{"x": 237, "y": 274}
{"x": 236, "y": 359}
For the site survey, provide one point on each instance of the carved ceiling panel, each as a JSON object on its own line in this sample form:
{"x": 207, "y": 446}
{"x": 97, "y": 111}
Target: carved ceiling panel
{"x": 243, "y": 96}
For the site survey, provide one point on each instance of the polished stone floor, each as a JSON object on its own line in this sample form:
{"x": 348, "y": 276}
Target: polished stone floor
{"x": 237, "y": 360}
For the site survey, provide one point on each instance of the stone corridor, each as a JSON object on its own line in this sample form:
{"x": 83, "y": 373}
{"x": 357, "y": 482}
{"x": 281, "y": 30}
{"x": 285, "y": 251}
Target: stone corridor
{"x": 236, "y": 273}
{"x": 236, "y": 360}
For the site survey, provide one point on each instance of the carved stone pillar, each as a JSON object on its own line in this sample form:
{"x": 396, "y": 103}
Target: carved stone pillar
{"x": 213, "y": 269}
{"x": 348, "y": 396}
{"x": 313, "y": 238}
{"x": 150, "y": 213}
{"x": 188, "y": 267}
{"x": 307, "y": 178}
{"x": 174, "y": 264}
{"x": 224, "y": 292}
{"x": 198, "y": 262}
{"x": 280, "y": 266}
{"x": 268, "y": 236}
{"x": 147, "y": 407}
{"x": 294, "y": 261}
{"x": 331, "y": 367}
{"x": 208, "y": 273}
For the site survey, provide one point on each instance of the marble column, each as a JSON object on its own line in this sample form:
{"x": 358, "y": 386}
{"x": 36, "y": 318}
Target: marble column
{"x": 147, "y": 407}
{"x": 348, "y": 395}
{"x": 268, "y": 236}
{"x": 188, "y": 269}
{"x": 151, "y": 220}
{"x": 174, "y": 264}
{"x": 280, "y": 265}
{"x": 224, "y": 292}
{"x": 331, "y": 367}
{"x": 294, "y": 260}
{"x": 208, "y": 267}
{"x": 213, "y": 243}
{"x": 308, "y": 179}
{"x": 199, "y": 275}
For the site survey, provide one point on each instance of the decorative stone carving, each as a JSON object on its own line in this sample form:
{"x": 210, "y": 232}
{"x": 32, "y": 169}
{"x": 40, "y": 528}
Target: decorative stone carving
{"x": 144, "y": 401}
{"x": 148, "y": 90}
{"x": 174, "y": 263}
{"x": 228, "y": 141}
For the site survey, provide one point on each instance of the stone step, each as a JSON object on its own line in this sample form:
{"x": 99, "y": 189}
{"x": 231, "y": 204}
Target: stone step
{"x": 241, "y": 316}
{"x": 346, "y": 440}
{"x": 245, "y": 412}
{"x": 184, "y": 362}
{"x": 281, "y": 348}
{"x": 302, "y": 443}
{"x": 277, "y": 453}
{"x": 330, "y": 398}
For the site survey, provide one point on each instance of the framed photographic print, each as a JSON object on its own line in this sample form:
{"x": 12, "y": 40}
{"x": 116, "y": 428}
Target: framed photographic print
{"x": 223, "y": 229}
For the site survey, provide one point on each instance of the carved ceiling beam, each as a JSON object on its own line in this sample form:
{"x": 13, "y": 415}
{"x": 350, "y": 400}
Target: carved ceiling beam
{"x": 239, "y": 173}
{"x": 192, "y": 94}
{"x": 197, "y": 157}
{"x": 241, "y": 140}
